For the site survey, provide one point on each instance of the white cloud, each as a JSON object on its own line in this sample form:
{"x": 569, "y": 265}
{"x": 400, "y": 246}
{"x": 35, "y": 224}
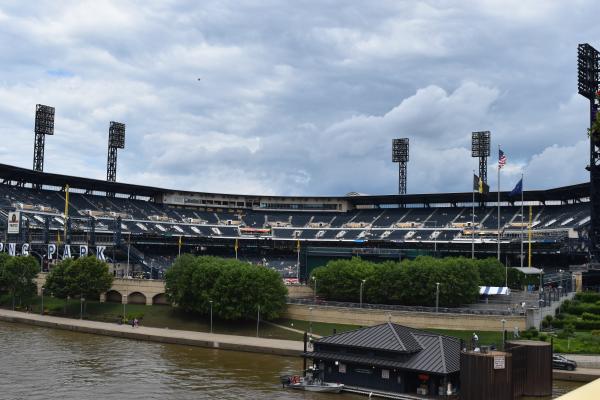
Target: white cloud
{"x": 297, "y": 98}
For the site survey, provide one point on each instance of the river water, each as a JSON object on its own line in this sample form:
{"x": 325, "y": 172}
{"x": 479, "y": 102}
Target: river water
{"x": 40, "y": 363}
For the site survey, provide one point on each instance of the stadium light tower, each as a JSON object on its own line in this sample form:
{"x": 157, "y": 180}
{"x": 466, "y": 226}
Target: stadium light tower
{"x": 400, "y": 156}
{"x": 116, "y": 140}
{"x": 588, "y": 85}
{"x": 480, "y": 148}
{"x": 44, "y": 125}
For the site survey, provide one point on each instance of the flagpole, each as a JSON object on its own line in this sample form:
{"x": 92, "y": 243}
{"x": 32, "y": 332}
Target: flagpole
{"x": 522, "y": 255}
{"x": 473, "y": 222}
{"x": 498, "y": 204}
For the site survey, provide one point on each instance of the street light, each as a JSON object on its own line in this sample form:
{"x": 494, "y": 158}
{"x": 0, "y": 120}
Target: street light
{"x": 42, "y": 312}
{"x": 560, "y": 288}
{"x": 124, "y": 301}
{"x": 362, "y": 283}
{"x": 437, "y": 296}
{"x": 310, "y": 321}
{"x": 315, "y": 290}
{"x": 81, "y": 307}
{"x": 211, "y": 325}
{"x": 503, "y": 332}
{"x": 258, "y": 320}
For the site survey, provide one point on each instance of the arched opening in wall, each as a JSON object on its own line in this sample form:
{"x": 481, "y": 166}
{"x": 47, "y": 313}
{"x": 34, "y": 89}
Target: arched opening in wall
{"x": 136, "y": 298}
{"x": 160, "y": 299}
{"x": 112, "y": 296}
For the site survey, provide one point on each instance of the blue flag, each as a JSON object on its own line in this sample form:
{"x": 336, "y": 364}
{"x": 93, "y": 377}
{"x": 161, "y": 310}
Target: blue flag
{"x": 518, "y": 188}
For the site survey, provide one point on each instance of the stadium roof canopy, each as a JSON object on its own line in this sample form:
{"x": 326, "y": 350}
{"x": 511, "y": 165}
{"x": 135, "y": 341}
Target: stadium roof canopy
{"x": 572, "y": 193}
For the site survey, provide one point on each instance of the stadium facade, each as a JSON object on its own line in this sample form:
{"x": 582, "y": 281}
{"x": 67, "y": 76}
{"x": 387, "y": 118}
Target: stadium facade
{"x": 149, "y": 226}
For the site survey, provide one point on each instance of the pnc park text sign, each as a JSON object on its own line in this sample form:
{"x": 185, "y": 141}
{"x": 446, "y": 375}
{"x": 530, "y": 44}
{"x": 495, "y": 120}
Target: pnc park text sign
{"x": 54, "y": 252}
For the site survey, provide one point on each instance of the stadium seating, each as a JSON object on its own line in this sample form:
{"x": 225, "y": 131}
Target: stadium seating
{"x": 141, "y": 217}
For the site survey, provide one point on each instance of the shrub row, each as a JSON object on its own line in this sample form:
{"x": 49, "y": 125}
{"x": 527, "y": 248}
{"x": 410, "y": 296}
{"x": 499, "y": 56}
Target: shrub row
{"x": 410, "y": 282}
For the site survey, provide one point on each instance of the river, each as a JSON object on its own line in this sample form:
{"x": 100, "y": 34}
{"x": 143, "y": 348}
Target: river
{"x": 48, "y": 364}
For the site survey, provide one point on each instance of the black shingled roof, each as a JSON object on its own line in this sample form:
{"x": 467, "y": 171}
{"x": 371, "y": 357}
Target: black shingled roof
{"x": 388, "y": 337}
{"x": 426, "y": 352}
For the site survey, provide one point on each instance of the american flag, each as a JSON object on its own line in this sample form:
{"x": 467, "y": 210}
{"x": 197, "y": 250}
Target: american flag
{"x": 501, "y": 159}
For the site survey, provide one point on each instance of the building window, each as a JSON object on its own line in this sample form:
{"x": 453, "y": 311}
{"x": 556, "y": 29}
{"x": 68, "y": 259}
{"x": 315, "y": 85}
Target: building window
{"x": 342, "y": 368}
{"x": 385, "y": 374}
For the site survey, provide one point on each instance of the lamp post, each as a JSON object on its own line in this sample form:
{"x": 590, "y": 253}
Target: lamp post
{"x": 503, "y": 332}
{"x": 310, "y": 321}
{"x": 42, "y": 312}
{"x": 211, "y": 325}
{"x": 560, "y": 288}
{"x": 362, "y": 283}
{"x": 81, "y": 307}
{"x": 124, "y": 301}
{"x": 437, "y": 296}
{"x": 315, "y": 290}
{"x": 258, "y": 320}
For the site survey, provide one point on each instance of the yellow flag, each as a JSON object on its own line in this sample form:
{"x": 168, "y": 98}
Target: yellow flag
{"x": 180, "y": 242}
{"x": 236, "y": 245}
{"x": 480, "y": 185}
{"x": 298, "y": 245}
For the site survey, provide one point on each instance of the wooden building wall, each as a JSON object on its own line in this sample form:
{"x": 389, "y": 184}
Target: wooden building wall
{"x": 537, "y": 365}
{"x": 479, "y": 380}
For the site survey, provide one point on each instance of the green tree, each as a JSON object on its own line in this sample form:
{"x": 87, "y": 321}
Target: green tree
{"x": 3, "y": 259}
{"x": 236, "y": 289}
{"x": 86, "y": 276}
{"x": 18, "y": 276}
{"x": 57, "y": 280}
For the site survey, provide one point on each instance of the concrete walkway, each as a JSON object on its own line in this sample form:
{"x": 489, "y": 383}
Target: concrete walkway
{"x": 162, "y": 335}
{"x": 579, "y": 375}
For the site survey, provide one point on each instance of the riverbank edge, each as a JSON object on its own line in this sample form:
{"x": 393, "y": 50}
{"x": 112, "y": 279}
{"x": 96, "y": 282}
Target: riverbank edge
{"x": 160, "y": 335}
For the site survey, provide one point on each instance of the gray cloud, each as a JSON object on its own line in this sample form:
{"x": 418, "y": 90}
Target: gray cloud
{"x": 300, "y": 98}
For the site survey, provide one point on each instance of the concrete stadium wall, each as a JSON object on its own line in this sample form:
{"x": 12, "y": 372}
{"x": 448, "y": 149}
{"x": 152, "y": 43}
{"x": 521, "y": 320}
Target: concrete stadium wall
{"x": 368, "y": 317}
{"x": 299, "y": 291}
{"x": 137, "y": 291}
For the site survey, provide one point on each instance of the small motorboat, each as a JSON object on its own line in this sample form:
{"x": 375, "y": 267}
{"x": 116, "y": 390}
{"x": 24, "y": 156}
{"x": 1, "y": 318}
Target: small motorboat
{"x": 310, "y": 385}
{"x": 311, "y": 382}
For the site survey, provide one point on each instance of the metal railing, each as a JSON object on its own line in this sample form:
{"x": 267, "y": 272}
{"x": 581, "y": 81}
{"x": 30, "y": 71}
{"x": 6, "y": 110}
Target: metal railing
{"x": 390, "y": 307}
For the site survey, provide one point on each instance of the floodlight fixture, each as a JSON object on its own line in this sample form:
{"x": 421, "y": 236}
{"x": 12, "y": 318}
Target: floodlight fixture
{"x": 588, "y": 85}
{"x": 480, "y": 148}
{"x": 116, "y": 140}
{"x": 44, "y": 125}
{"x": 400, "y": 152}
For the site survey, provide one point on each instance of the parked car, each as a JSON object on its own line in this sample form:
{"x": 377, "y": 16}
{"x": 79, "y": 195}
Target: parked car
{"x": 560, "y": 362}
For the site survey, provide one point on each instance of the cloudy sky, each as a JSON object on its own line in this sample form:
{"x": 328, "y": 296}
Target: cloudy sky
{"x": 299, "y": 97}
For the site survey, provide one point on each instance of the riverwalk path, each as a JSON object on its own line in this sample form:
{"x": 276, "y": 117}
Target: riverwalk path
{"x": 161, "y": 335}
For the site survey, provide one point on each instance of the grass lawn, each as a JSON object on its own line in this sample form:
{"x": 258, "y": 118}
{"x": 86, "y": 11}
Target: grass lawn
{"x": 318, "y": 328}
{"x": 159, "y": 316}
{"x": 582, "y": 343}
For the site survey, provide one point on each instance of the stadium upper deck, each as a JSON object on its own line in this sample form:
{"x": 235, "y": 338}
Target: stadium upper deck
{"x": 557, "y": 214}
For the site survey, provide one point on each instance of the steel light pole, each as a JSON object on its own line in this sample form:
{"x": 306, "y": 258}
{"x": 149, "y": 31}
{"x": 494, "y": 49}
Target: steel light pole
{"x": 81, "y": 307}
{"x": 503, "y": 332}
{"x": 362, "y": 283}
{"x": 42, "y": 312}
{"x": 258, "y": 320}
{"x": 124, "y": 301}
{"x": 211, "y": 324}
{"x": 561, "y": 287}
{"x": 310, "y": 321}
{"x": 437, "y": 296}
{"x": 315, "y": 290}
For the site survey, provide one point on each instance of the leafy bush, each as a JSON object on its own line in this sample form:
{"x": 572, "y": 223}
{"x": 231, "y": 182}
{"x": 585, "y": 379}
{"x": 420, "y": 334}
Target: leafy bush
{"x": 567, "y": 331}
{"x": 588, "y": 297}
{"x": 586, "y": 316}
{"x": 596, "y": 332}
{"x": 410, "y": 282}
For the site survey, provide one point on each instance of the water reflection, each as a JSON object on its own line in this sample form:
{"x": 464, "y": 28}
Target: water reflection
{"x": 39, "y": 363}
